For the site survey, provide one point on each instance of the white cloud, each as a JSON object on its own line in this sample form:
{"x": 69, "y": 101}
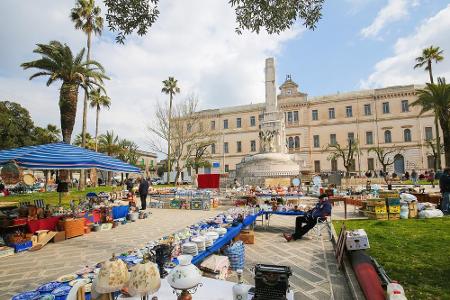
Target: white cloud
{"x": 192, "y": 40}
{"x": 394, "y": 11}
{"x": 398, "y": 69}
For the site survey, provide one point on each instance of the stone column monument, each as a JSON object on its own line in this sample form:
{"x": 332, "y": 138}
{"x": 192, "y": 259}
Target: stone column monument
{"x": 272, "y": 162}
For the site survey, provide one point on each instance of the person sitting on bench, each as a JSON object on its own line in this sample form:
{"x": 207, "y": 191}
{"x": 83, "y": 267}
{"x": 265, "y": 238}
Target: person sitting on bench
{"x": 305, "y": 223}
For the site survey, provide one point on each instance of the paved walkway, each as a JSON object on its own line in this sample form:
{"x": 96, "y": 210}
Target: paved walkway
{"x": 314, "y": 271}
{"x": 27, "y": 270}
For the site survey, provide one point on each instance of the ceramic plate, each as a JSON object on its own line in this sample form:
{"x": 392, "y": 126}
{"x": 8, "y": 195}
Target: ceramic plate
{"x": 61, "y": 291}
{"x": 47, "y": 297}
{"x": 27, "y": 296}
{"x": 67, "y": 278}
{"x": 83, "y": 280}
{"x": 48, "y": 287}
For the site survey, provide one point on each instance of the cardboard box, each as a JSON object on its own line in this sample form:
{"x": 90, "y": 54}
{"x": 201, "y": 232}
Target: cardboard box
{"x": 59, "y": 237}
{"x": 357, "y": 240}
{"x": 246, "y": 236}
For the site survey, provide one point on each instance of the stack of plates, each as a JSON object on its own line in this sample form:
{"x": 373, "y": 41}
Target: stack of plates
{"x": 208, "y": 242}
{"x": 213, "y": 235}
{"x": 200, "y": 241}
{"x": 189, "y": 249}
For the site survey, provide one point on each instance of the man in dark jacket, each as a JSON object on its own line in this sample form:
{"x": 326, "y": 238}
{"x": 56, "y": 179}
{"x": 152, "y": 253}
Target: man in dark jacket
{"x": 143, "y": 192}
{"x": 444, "y": 184}
{"x": 305, "y": 223}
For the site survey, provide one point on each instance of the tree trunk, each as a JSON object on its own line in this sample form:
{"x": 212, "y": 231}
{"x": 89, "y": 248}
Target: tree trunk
{"x": 96, "y": 128}
{"x": 437, "y": 161}
{"x": 168, "y": 142}
{"x": 68, "y": 98}
{"x": 445, "y": 125}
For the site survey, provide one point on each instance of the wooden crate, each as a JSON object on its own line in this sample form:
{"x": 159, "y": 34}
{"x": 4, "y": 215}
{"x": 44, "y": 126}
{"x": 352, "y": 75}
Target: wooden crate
{"x": 412, "y": 213}
{"x": 375, "y": 216}
{"x": 393, "y": 216}
{"x": 246, "y": 236}
{"x": 376, "y": 202}
{"x": 74, "y": 227}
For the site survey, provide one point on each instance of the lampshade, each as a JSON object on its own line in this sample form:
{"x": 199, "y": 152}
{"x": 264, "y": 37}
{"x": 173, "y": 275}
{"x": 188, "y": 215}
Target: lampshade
{"x": 112, "y": 276}
{"x": 144, "y": 279}
{"x": 185, "y": 275}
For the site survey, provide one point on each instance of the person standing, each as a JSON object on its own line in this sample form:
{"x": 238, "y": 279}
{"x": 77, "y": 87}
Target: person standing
{"x": 444, "y": 185}
{"x": 143, "y": 192}
{"x": 431, "y": 175}
{"x": 414, "y": 177}
{"x": 305, "y": 223}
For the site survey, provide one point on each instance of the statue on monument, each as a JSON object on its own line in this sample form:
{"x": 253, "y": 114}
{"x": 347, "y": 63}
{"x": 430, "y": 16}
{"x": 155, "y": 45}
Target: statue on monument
{"x": 266, "y": 139}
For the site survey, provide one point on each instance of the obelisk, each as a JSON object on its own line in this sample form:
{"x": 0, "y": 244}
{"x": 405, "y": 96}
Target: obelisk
{"x": 271, "y": 96}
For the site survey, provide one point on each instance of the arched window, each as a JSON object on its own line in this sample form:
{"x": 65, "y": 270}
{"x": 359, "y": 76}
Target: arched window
{"x": 297, "y": 142}
{"x": 291, "y": 142}
{"x": 387, "y": 136}
{"x": 407, "y": 135}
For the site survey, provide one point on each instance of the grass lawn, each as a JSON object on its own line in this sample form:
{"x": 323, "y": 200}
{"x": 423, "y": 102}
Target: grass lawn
{"x": 53, "y": 197}
{"x": 415, "y": 252}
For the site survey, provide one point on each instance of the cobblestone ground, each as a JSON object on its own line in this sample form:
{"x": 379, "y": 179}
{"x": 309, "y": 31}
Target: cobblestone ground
{"x": 315, "y": 274}
{"x": 314, "y": 271}
{"x": 27, "y": 270}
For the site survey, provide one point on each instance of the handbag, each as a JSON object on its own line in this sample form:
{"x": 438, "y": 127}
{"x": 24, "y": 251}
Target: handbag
{"x": 236, "y": 255}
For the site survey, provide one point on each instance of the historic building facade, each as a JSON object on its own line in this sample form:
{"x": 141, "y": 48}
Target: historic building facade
{"x": 379, "y": 117}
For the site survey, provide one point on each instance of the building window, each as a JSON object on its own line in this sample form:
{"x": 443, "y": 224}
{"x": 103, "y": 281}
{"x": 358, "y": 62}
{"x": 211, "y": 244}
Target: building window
{"x": 252, "y": 146}
{"x": 334, "y": 167}
{"x": 291, "y": 142}
{"x": 367, "y": 110}
{"x": 252, "y": 121}
{"x": 348, "y": 111}
{"x": 296, "y": 116}
{"x": 317, "y": 166}
{"x": 225, "y": 124}
{"x": 316, "y": 141}
{"x": 297, "y": 142}
{"x": 370, "y": 164}
{"x": 227, "y": 168}
{"x": 239, "y": 146}
{"x": 213, "y": 148}
{"x": 428, "y": 133}
{"x": 289, "y": 117}
{"x": 369, "y": 138}
{"x": 387, "y": 136}
{"x": 225, "y": 147}
{"x": 386, "y": 109}
{"x": 315, "y": 115}
{"x": 213, "y": 125}
{"x": 238, "y": 122}
{"x": 407, "y": 135}
{"x": 289, "y": 91}
{"x": 430, "y": 160}
{"x": 352, "y": 167}
{"x": 333, "y": 139}
{"x": 351, "y": 136}
{"x": 405, "y": 106}
{"x": 331, "y": 114}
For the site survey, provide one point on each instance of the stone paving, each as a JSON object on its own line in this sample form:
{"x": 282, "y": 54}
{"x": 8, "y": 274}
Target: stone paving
{"x": 314, "y": 270}
{"x": 315, "y": 274}
{"x": 27, "y": 270}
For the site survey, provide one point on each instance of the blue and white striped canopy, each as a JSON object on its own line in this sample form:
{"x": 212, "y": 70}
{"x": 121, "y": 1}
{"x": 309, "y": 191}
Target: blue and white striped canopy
{"x": 63, "y": 156}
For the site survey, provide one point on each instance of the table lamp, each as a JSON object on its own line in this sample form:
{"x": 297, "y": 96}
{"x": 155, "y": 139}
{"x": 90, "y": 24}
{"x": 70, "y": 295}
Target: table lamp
{"x": 112, "y": 277}
{"x": 184, "y": 278}
{"x": 144, "y": 279}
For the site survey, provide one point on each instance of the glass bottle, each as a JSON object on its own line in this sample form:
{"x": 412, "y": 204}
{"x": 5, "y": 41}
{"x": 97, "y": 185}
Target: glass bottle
{"x": 240, "y": 292}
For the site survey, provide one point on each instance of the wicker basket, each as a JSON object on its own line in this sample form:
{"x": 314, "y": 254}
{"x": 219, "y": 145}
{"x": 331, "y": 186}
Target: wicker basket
{"x": 74, "y": 227}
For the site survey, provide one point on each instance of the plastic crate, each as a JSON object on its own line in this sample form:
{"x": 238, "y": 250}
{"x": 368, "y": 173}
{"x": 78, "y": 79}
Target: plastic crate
{"x": 393, "y": 201}
{"x": 394, "y": 209}
{"x": 196, "y": 204}
{"x": 19, "y": 247}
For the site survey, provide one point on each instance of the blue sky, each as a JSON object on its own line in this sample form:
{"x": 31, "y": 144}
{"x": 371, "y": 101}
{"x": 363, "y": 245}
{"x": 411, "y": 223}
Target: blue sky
{"x": 358, "y": 44}
{"x": 336, "y": 57}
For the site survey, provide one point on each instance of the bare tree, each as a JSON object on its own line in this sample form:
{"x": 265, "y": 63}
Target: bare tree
{"x": 385, "y": 156}
{"x": 198, "y": 154}
{"x": 434, "y": 151}
{"x": 183, "y": 134}
{"x": 347, "y": 154}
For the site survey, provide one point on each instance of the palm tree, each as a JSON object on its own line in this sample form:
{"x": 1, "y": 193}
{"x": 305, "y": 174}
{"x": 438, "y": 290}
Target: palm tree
{"x": 436, "y": 97}
{"x": 170, "y": 88}
{"x": 98, "y": 101}
{"x": 86, "y": 17}
{"x": 109, "y": 144}
{"x": 428, "y": 56}
{"x": 90, "y": 142}
{"x": 128, "y": 152}
{"x": 53, "y": 133}
{"x": 58, "y": 63}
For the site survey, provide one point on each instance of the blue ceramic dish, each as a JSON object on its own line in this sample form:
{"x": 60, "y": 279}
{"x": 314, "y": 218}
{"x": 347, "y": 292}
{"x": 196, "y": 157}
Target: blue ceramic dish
{"x": 47, "y": 297}
{"x": 49, "y": 287}
{"x": 32, "y": 295}
{"x": 61, "y": 291}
